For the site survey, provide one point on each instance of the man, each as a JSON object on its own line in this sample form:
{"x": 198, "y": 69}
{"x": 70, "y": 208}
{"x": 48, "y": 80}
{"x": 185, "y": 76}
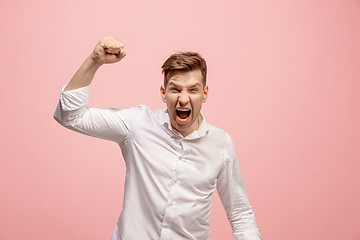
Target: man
{"x": 174, "y": 159}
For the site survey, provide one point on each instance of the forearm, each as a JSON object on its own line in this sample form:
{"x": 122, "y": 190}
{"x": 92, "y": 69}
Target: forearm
{"x": 84, "y": 76}
{"x": 232, "y": 192}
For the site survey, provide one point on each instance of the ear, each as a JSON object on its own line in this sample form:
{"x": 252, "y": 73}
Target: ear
{"x": 206, "y": 90}
{"x": 162, "y": 92}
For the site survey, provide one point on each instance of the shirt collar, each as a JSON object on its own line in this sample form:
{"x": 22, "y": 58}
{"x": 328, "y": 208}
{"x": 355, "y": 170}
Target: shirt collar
{"x": 198, "y": 133}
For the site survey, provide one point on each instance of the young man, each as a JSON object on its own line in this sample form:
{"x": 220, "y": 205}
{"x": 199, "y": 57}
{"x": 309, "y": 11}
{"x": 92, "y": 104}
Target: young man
{"x": 174, "y": 159}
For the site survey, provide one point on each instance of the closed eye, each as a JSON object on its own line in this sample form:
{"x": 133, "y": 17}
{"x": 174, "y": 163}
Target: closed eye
{"x": 175, "y": 90}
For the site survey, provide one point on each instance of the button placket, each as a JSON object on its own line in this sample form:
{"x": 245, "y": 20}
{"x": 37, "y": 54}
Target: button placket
{"x": 174, "y": 180}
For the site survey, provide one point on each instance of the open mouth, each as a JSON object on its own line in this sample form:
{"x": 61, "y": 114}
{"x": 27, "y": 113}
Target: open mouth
{"x": 183, "y": 113}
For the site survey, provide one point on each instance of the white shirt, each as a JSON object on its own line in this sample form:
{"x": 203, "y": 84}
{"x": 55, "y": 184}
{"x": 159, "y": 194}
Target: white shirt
{"x": 170, "y": 179}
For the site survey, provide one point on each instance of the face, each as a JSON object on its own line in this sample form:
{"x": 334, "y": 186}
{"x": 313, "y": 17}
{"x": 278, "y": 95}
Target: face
{"x": 184, "y": 96}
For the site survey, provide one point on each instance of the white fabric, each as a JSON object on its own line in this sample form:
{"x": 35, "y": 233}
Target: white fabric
{"x": 170, "y": 179}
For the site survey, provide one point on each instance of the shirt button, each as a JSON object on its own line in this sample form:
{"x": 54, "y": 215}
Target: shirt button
{"x": 171, "y": 203}
{"x": 166, "y": 225}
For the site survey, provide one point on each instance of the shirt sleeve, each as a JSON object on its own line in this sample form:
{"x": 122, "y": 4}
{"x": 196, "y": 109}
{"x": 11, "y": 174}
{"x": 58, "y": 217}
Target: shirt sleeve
{"x": 107, "y": 123}
{"x": 233, "y": 195}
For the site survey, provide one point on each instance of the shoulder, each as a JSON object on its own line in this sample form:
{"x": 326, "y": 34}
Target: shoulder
{"x": 229, "y": 150}
{"x": 218, "y": 132}
{"x": 131, "y": 115}
{"x": 143, "y": 113}
{"x": 218, "y": 136}
{"x": 137, "y": 110}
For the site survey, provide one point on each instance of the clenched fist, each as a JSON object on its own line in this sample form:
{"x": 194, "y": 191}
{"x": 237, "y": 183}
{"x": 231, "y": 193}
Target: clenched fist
{"x": 108, "y": 50}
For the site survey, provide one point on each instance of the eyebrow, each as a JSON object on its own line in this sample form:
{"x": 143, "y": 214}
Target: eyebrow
{"x": 175, "y": 85}
{"x": 196, "y": 85}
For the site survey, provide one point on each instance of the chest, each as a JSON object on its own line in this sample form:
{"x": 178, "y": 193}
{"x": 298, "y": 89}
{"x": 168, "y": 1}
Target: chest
{"x": 194, "y": 163}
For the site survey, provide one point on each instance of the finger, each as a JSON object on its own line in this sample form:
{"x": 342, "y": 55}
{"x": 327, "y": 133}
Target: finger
{"x": 113, "y": 41}
{"x": 121, "y": 45}
{"x": 110, "y": 46}
{"x": 112, "y": 58}
{"x": 122, "y": 53}
{"x": 112, "y": 50}
{"x": 115, "y": 45}
{"x": 104, "y": 43}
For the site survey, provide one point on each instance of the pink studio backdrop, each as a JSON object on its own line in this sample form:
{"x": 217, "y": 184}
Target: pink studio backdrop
{"x": 284, "y": 80}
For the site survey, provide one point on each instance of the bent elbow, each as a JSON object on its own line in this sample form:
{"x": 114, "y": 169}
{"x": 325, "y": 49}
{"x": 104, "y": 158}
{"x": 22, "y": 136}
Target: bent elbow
{"x": 60, "y": 116}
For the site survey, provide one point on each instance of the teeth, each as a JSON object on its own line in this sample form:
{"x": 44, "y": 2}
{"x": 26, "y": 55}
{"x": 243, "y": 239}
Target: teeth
{"x": 183, "y": 110}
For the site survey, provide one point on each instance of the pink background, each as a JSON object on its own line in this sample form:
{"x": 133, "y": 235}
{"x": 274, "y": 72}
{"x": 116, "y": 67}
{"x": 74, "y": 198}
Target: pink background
{"x": 284, "y": 80}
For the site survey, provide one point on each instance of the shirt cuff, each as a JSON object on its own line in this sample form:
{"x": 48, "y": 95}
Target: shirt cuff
{"x": 74, "y": 99}
{"x": 248, "y": 235}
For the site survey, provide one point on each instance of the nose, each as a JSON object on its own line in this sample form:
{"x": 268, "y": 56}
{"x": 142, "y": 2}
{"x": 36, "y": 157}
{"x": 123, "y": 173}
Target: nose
{"x": 184, "y": 99}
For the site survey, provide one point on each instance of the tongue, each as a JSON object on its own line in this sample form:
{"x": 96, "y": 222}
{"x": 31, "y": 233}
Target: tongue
{"x": 183, "y": 114}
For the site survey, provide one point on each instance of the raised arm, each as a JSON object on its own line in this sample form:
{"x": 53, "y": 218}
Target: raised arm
{"x": 72, "y": 111}
{"x": 108, "y": 50}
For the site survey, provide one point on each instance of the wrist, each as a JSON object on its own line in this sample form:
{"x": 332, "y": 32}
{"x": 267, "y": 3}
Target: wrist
{"x": 94, "y": 61}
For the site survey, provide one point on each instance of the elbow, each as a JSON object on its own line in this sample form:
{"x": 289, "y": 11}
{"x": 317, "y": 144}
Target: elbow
{"x": 57, "y": 113}
{"x": 60, "y": 116}
{"x": 57, "y": 118}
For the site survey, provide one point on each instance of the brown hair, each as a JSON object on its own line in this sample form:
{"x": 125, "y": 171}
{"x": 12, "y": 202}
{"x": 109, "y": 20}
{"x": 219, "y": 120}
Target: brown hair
{"x": 184, "y": 62}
